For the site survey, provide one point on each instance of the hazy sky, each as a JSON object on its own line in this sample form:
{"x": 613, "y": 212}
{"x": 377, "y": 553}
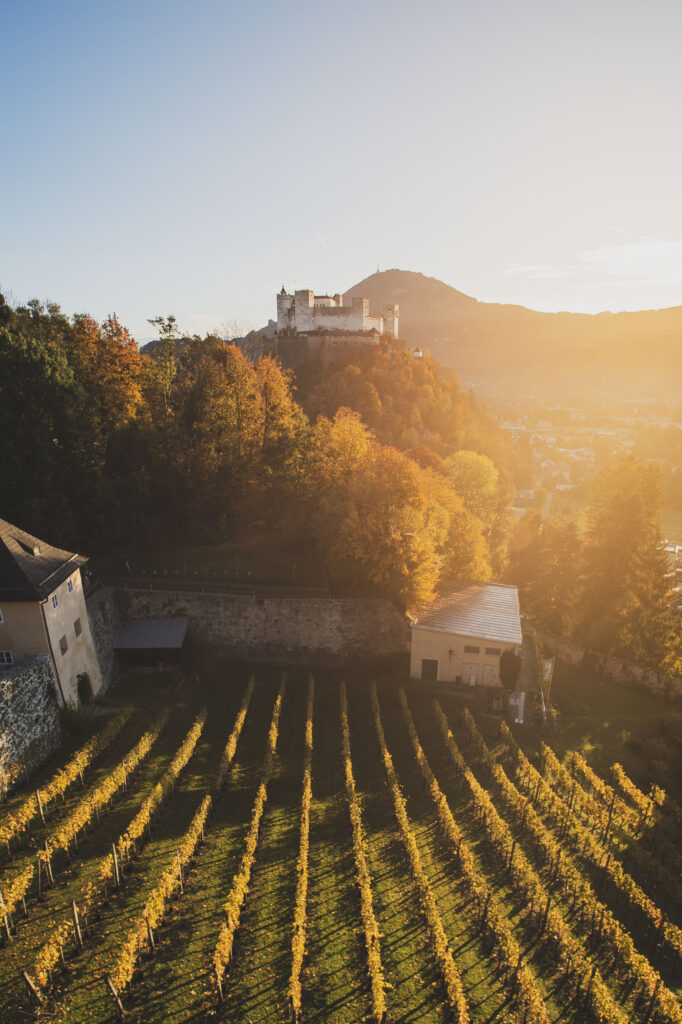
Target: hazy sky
{"x": 191, "y": 157}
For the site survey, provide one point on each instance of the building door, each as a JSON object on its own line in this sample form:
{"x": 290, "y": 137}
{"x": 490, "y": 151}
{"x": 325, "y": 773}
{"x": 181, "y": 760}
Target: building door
{"x": 470, "y": 673}
{"x": 491, "y": 675}
{"x": 429, "y": 670}
{"x": 85, "y": 694}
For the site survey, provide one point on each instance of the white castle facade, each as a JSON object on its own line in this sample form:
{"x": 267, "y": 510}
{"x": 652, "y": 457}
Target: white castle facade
{"x": 304, "y": 312}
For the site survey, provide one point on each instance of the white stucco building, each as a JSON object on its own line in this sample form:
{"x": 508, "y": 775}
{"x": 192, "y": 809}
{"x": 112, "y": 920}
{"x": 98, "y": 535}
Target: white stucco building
{"x": 304, "y": 312}
{"x": 43, "y": 611}
{"x": 461, "y": 641}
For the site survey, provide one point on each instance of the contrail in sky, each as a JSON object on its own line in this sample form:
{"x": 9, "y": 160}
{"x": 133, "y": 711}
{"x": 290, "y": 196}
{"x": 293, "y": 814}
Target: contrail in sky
{"x": 632, "y": 234}
{"x": 322, "y": 242}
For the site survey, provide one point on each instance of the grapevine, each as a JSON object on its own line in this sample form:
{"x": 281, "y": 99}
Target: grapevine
{"x": 371, "y": 928}
{"x": 507, "y": 948}
{"x": 441, "y": 947}
{"x": 299, "y": 928}
{"x": 53, "y": 950}
{"x": 232, "y": 909}
{"x": 13, "y": 824}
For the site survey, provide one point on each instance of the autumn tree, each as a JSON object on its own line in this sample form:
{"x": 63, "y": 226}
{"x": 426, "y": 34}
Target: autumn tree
{"x": 107, "y": 361}
{"x": 475, "y": 479}
{"x": 399, "y": 528}
{"x": 336, "y": 447}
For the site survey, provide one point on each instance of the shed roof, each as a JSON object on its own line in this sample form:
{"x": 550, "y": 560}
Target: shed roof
{"x": 151, "y": 635}
{"x": 30, "y": 569}
{"x": 487, "y": 611}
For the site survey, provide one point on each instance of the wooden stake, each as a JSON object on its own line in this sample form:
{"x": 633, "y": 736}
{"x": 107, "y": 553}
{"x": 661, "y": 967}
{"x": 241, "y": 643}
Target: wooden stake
{"x": 40, "y": 806}
{"x": 182, "y": 888}
{"x": 220, "y": 985}
{"x": 150, "y": 933}
{"x": 48, "y": 861}
{"x": 115, "y": 996}
{"x": 116, "y": 872}
{"x": 32, "y": 987}
{"x": 76, "y": 924}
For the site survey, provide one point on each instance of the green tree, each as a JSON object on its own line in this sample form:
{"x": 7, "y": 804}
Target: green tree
{"x": 510, "y": 669}
{"x": 475, "y": 479}
{"x": 625, "y": 601}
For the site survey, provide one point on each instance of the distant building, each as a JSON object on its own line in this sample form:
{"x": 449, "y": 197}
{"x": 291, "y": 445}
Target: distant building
{"x": 304, "y": 313}
{"x": 462, "y": 640}
{"x": 43, "y": 611}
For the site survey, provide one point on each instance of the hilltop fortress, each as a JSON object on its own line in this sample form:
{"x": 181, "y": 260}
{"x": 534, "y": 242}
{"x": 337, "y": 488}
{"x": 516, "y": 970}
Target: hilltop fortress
{"x": 320, "y": 328}
{"x": 304, "y": 312}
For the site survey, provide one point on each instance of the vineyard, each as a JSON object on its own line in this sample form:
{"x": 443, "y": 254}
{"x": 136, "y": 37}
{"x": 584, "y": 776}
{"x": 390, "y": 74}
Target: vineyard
{"x": 287, "y": 849}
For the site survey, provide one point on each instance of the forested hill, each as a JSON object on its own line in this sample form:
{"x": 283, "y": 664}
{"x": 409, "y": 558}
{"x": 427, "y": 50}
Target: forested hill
{"x": 512, "y": 348}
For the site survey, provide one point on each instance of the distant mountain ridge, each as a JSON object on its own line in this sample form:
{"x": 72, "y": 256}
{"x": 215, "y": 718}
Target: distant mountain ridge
{"x": 506, "y": 347}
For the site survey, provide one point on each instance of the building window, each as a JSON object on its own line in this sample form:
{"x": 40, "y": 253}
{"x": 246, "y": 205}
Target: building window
{"x": 55, "y": 601}
{"x": 63, "y": 646}
{"x": 493, "y": 650}
{"x": 77, "y": 627}
{"x": 69, "y": 586}
{"x": 6, "y": 658}
{"x": 469, "y": 649}
{"x": 1, "y": 618}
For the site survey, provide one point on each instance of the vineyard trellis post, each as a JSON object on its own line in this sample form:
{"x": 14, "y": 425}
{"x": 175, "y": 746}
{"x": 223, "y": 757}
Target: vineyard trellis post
{"x": 115, "y": 996}
{"x": 33, "y": 989}
{"x": 76, "y": 924}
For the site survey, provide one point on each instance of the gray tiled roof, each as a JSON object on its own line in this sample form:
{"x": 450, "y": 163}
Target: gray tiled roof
{"x": 487, "y": 611}
{"x": 30, "y": 569}
{"x": 151, "y": 634}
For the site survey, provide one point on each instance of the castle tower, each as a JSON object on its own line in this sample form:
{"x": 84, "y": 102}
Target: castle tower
{"x": 285, "y": 305}
{"x": 391, "y": 314}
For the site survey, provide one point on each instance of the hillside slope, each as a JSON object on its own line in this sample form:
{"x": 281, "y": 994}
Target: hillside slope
{"x": 513, "y": 348}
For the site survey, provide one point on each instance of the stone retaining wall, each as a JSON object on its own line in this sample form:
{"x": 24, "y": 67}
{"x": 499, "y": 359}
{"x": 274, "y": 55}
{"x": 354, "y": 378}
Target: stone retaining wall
{"x": 321, "y": 631}
{"x": 30, "y": 728}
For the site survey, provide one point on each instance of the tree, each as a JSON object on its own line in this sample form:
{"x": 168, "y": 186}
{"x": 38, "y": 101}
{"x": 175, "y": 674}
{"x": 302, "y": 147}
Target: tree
{"x": 336, "y": 447}
{"x": 281, "y": 416}
{"x": 625, "y": 603}
{"x": 510, "y": 669}
{"x": 399, "y": 528}
{"x": 163, "y": 364}
{"x": 475, "y": 479}
{"x": 107, "y": 362}
{"x": 48, "y": 449}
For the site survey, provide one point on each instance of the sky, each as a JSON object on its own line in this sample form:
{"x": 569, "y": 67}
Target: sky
{"x": 193, "y": 157}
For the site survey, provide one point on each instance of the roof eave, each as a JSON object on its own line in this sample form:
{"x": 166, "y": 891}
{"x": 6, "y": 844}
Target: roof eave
{"x": 471, "y": 636}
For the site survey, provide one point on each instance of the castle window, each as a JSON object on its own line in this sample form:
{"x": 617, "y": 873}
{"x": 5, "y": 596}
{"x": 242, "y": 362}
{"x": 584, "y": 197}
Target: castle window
{"x": 55, "y": 601}
{"x": 69, "y": 586}
{"x": 493, "y": 650}
{"x": 63, "y": 646}
{"x": 77, "y": 627}
{"x": 6, "y": 658}
{"x": 1, "y": 618}
{"x": 469, "y": 649}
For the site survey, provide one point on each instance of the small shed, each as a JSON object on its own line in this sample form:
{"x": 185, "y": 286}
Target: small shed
{"x": 151, "y": 641}
{"x": 461, "y": 640}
